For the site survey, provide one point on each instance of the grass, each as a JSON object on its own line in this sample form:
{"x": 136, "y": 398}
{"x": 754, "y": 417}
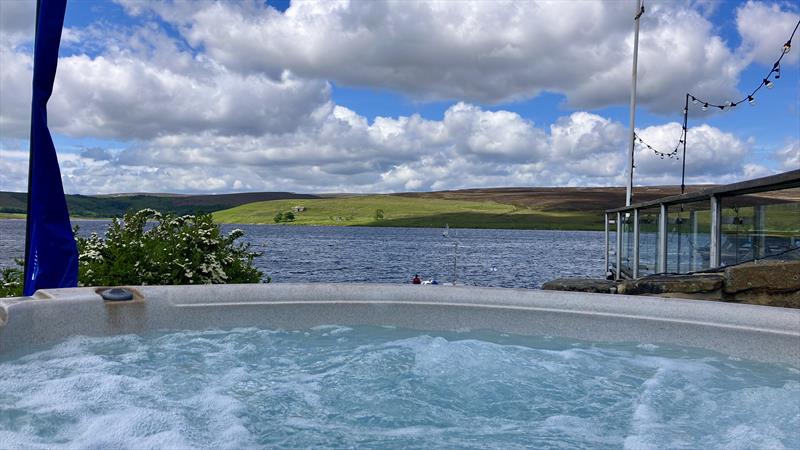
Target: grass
{"x": 98, "y": 207}
{"x": 401, "y": 211}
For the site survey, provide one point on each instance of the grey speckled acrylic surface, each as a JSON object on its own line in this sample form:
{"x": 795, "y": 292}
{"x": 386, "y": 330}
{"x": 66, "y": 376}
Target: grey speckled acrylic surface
{"x": 752, "y": 332}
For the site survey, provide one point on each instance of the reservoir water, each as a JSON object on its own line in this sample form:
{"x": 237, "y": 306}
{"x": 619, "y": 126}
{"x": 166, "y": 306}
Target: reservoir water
{"x": 496, "y": 258}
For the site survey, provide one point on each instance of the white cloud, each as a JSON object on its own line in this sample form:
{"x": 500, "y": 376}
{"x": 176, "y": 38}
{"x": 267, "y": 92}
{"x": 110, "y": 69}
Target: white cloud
{"x": 764, "y": 28}
{"x": 13, "y": 167}
{"x": 16, "y": 21}
{"x": 339, "y": 150}
{"x": 249, "y": 106}
{"x": 496, "y": 136}
{"x": 478, "y": 51}
{"x": 145, "y": 86}
{"x": 710, "y": 152}
{"x": 16, "y": 72}
{"x": 789, "y": 156}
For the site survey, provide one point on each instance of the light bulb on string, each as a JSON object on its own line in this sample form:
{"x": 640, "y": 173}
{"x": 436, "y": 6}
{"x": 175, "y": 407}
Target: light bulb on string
{"x": 732, "y": 105}
{"x": 768, "y": 84}
{"x": 721, "y": 107}
{"x": 705, "y": 107}
{"x": 787, "y": 46}
{"x": 695, "y": 100}
{"x": 751, "y": 100}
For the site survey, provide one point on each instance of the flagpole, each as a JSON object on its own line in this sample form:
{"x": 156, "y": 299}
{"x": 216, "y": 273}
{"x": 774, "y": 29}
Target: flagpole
{"x": 638, "y": 13}
{"x": 51, "y": 255}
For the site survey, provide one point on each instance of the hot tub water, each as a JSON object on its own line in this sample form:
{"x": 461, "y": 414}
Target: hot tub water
{"x": 385, "y": 387}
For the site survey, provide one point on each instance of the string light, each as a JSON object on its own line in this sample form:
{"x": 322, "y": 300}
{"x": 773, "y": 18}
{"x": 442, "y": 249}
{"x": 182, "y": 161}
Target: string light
{"x": 673, "y": 154}
{"x": 775, "y": 73}
{"x": 729, "y": 105}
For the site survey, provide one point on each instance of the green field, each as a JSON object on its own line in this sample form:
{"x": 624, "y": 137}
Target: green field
{"x": 14, "y": 204}
{"x": 400, "y": 211}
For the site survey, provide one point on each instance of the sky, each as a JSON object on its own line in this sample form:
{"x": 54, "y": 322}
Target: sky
{"x": 393, "y": 96}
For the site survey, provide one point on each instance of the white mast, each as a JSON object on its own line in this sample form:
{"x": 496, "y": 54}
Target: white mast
{"x": 638, "y": 14}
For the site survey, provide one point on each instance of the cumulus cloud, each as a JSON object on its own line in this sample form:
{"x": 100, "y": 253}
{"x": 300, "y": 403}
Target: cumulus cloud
{"x": 764, "y": 28}
{"x": 340, "y": 150}
{"x": 478, "y": 51}
{"x": 789, "y": 156}
{"x": 241, "y": 101}
{"x": 96, "y": 153}
{"x": 16, "y": 21}
{"x": 710, "y": 152}
{"x": 150, "y": 87}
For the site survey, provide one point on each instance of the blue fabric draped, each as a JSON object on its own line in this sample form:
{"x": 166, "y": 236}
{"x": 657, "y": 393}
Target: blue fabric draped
{"x": 51, "y": 255}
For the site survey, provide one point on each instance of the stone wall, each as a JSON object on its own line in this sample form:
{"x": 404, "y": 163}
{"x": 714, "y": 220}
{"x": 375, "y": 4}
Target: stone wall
{"x": 772, "y": 283}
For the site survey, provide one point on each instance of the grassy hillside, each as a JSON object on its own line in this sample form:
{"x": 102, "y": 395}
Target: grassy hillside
{"x": 116, "y": 205}
{"x": 583, "y": 199}
{"x": 405, "y": 211}
{"x": 525, "y": 208}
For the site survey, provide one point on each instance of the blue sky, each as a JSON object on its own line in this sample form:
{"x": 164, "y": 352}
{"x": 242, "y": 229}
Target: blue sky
{"x": 221, "y": 97}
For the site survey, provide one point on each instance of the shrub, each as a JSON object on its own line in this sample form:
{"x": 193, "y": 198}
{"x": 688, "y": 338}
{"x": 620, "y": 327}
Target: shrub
{"x": 378, "y": 214}
{"x": 170, "y": 250}
{"x": 278, "y": 217}
{"x": 11, "y": 280}
{"x": 288, "y": 216}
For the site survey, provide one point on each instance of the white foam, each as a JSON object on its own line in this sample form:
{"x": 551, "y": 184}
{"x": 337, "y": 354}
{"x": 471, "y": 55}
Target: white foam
{"x": 250, "y": 387}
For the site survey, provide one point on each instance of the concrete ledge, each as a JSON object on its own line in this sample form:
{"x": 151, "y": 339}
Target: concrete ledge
{"x": 747, "y": 331}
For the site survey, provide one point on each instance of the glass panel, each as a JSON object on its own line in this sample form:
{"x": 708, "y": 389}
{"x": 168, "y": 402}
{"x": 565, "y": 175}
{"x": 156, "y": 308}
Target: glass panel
{"x": 612, "y": 242}
{"x": 648, "y": 241}
{"x": 763, "y": 225}
{"x": 688, "y": 237}
{"x": 627, "y": 243}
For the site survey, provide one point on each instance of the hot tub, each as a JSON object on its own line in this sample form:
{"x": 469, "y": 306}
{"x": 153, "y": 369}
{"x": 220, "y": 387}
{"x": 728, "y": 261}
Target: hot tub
{"x": 342, "y": 365}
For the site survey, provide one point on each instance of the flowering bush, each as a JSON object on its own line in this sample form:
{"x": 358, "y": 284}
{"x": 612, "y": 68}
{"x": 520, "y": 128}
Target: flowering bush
{"x": 169, "y": 250}
{"x": 11, "y": 280}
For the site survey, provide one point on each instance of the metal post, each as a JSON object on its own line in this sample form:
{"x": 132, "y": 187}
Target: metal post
{"x": 693, "y": 222}
{"x": 617, "y": 272}
{"x": 685, "y": 132}
{"x": 605, "y": 268}
{"x": 662, "y": 240}
{"x": 759, "y": 232}
{"x": 455, "y": 261}
{"x": 679, "y": 232}
{"x": 716, "y": 232}
{"x": 635, "y": 243}
{"x": 638, "y": 14}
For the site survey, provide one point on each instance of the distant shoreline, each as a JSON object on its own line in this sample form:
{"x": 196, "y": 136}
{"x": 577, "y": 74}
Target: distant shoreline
{"x": 295, "y": 224}
{"x": 526, "y": 208}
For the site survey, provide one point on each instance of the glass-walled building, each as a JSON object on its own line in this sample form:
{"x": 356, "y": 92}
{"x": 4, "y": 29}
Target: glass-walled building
{"x": 714, "y": 228}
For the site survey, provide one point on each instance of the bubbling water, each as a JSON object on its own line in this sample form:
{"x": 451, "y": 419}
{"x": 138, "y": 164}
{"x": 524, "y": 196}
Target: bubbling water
{"x": 384, "y": 387}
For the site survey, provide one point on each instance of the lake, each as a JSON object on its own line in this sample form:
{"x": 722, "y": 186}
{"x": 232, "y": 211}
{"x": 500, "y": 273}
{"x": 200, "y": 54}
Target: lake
{"x": 497, "y": 258}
